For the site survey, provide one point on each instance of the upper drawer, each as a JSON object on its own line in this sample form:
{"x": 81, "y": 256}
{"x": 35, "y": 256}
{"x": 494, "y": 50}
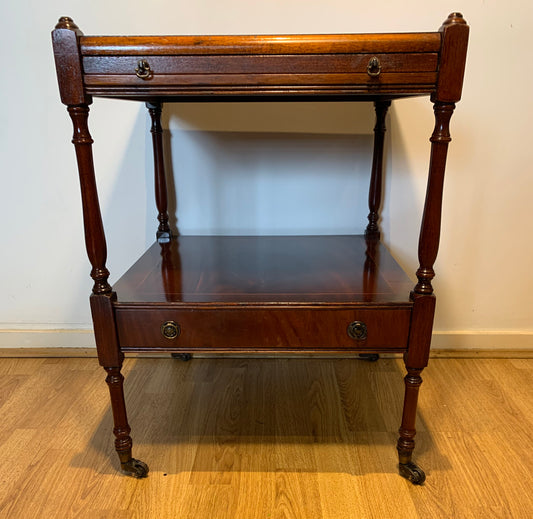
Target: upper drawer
{"x": 287, "y": 65}
{"x": 358, "y": 72}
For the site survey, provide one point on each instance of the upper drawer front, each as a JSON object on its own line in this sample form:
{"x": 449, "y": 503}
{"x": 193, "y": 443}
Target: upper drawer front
{"x": 189, "y": 75}
{"x": 264, "y": 329}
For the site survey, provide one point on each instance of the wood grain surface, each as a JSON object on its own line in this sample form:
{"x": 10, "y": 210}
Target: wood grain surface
{"x": 266, "y": 438}
{"x": 346, "y": 270}
{"x": 260, "y": 44}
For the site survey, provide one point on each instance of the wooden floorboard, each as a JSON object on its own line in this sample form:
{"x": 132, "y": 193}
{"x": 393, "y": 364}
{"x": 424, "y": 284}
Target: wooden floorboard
{"x": 266, "y": 438}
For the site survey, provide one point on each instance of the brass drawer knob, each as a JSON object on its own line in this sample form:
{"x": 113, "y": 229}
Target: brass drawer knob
{"x": 357, "y": 330}
{"x": 170, "y": 330}
{"x": 374, "y": 67}
{"x": 143, "y": 70}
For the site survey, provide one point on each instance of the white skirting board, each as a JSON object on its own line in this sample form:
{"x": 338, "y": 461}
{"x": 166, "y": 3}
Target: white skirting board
{"x": 80, "y": 342}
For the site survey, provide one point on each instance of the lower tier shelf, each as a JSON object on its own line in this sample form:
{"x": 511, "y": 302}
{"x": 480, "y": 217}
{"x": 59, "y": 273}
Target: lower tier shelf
{"x": 264, "y": 293}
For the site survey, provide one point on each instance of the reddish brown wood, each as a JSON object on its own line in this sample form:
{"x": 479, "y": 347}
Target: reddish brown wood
{"x": 332, "y": 65}
{"x": 448, "y": 91}
{"x": 269, "y": 64}
{"x": 68, "y": 62}
{"x": 250, "y": 93}
{"x": 105, "y": 330}
{"x": 452, "y": 58}
{"x": 92, "y": 219}
{"x": 376, "y": 178}
{"x": 268, "y": 327}
{"x": 371, "y": 266}
{"x": 260, "y": 44}
{"x": 421, "y": 328}
{"x": 424, "y": 301}
{"x": 163, "y": 234}
{"x": 265, "y": 293}
{"x": 360, "y": 81}
{"x": 406, "y": 442}
{"x": 121, "y": 430}
{"x": 428, "y": 244}
{"x": 296, "y": 270}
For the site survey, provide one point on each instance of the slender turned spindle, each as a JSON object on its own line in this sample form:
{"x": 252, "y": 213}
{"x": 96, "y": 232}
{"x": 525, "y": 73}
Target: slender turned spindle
{"x": 121, "y": 430}
{"x": 92, "y": 219}
{"x": 163, "y": 232}
{"x": 406, "y": 441}
{"x": 428, "y": 244}
{"x": 123, "y": 442}
{"x": 376, "y": 179}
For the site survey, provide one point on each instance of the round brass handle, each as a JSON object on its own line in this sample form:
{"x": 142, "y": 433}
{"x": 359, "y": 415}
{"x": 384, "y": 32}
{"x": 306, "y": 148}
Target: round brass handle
{"x": 170, "y": 330}
{"x": 357, "y": 330}
{"x": 374, "y": 67}
{"x": 143, "y": 70}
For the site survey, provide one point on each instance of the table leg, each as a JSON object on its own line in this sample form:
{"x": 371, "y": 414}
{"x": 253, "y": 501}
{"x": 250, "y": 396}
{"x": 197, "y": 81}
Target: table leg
{"x": 123, "y": 442}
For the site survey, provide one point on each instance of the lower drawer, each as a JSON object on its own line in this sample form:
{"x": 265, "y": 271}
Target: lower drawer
{"x": 240, "y": 328}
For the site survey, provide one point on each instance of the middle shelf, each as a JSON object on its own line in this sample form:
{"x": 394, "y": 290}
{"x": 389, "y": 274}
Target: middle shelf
{"x": 266, "y": 269}
{"x": 265, "y": 293}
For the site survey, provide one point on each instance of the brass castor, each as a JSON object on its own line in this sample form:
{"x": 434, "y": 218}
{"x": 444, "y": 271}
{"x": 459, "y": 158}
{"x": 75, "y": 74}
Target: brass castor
{"x": 135, "y": 468}
{"x": 182, "y": 356}
{"x": 369, "y": 357}
{"x": 412, "y": 472}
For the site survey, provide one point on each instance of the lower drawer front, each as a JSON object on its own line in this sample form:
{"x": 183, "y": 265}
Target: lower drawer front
{"x": 263, "y": 329}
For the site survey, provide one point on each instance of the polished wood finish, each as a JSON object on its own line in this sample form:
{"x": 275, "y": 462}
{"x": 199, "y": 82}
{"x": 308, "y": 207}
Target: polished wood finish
{"x": 123, "y": 443}
{"x": 65, "y": 39}
{"x": 303, "y": 270}
{"x": 449, "y": 86}
{"x": 452, "y": 59}
{"x": 428, "y": 245}
{"x": 92, "y": 219}
{"x": 376, "y": 178}
{"x": 163, "y": 233}
{"x": 263, "y": 328}
{"x": 270, "y": 294}
{"x": 286, "y": 44}
{"x": 291, "y": 65}
{"x": 271, "y": 64}
{"x": 105, "y": 334}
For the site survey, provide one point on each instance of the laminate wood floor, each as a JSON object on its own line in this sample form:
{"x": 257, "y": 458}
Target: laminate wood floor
{"x": 266, "y": 438}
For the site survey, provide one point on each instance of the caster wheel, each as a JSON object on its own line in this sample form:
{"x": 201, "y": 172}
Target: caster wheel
{"x": 135, "y": 468}
{"x": 369, "y": 357}
{"x": 182, "y": 356}
{"x": 412, "y": 472}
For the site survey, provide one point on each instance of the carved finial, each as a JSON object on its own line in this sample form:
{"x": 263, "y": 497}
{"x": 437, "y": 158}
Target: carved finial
{"x": 65, "y": 22}
{"x": 454, "y": 18}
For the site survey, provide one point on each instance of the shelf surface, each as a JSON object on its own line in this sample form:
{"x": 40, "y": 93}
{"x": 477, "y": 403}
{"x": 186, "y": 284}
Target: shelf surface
{"x": 292, "y": 270}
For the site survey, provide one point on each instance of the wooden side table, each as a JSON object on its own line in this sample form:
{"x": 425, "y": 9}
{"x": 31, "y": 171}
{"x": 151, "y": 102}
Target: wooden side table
{"x": 263, "y": 293}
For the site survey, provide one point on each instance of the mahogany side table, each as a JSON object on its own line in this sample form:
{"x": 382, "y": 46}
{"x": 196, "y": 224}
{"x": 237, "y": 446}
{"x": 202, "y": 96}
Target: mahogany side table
{"x": 263, "y": 293}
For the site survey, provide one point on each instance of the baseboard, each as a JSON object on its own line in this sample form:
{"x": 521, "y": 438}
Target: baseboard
{"x": 482, "y": 340}
{"x": 44, "y": 339}
{"x": 80, "y": 343}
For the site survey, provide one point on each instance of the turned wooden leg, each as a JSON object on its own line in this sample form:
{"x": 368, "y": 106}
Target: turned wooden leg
{"x": 123, "y": 443}
{"x": 406, "y": 441}
{"x": 163, "y": 233}
{"x": 417, "y": 355}
{"x": 376, "y": 178}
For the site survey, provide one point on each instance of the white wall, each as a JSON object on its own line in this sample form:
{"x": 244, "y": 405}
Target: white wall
{"x": 224, "y": 156}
